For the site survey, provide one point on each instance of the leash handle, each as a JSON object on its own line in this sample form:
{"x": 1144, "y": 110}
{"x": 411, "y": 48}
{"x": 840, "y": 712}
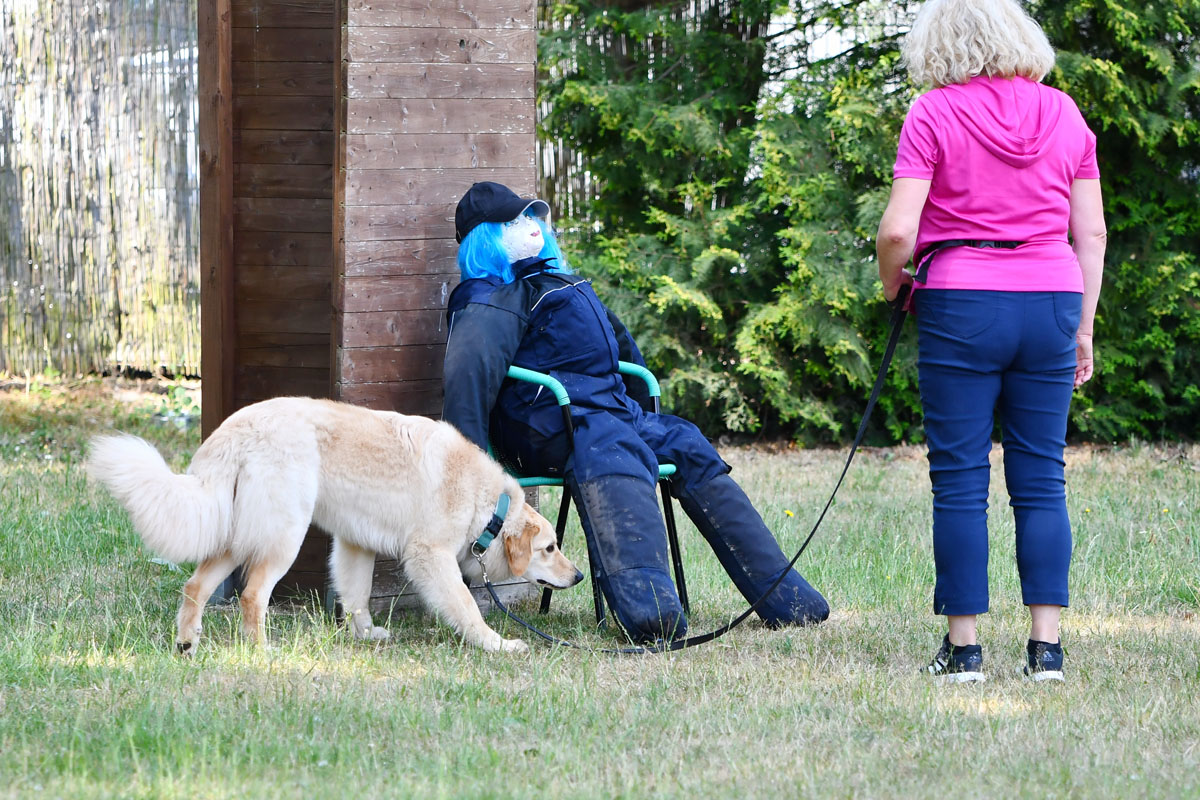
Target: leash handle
{"x": 899, "y": 313}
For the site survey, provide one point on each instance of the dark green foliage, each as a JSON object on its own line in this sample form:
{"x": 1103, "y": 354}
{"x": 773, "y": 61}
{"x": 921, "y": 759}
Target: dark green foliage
{"x": 660, "y": 101}
{"x": 741, "y": 182}
{"x": 1134, "y": 69}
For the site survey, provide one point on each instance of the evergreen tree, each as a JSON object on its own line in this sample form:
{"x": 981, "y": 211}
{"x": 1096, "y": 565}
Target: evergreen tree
{"x": 1134, "y": 70}
{"x": 739, "y": 181}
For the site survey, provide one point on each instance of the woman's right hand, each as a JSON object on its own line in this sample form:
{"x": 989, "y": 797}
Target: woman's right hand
{"x": 890, "y": 293}
{"x": 1083, "y": 358}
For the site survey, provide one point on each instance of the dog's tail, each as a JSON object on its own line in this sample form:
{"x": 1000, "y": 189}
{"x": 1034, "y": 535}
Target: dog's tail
{"x": 177, "y": 516}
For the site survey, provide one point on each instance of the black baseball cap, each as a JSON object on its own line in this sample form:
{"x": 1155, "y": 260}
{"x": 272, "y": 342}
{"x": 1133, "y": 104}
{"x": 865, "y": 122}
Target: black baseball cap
{"x": 492, "y": 202}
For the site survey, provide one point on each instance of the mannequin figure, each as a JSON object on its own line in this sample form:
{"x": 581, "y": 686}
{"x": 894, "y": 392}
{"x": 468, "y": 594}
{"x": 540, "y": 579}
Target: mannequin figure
{"x": 518, "y": 303}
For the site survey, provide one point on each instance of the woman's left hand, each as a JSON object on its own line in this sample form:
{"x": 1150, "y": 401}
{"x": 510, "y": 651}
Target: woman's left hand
{"x": 1083, "y": 358}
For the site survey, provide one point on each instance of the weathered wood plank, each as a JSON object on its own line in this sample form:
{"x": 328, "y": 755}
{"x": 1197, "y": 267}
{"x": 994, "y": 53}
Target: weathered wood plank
{"x": 443, "y": 13}
{"x": 439, "y": 45}
{"x": 285, "y": 44}
{"x": 315, "y": 356}
{"x": 411, "y": 257}
{"x": 283, "y": 283}
{"x": 261, "y": 383}
{"x": 283, "y": 78}
{"x": 385, "y": 364}
{"x": 283, "y": 14}
{"x": 421, "y": 397}
{"x": 284, "y": 316}
{"x": 313, "y": 181}
{"x": 422, "y": 187}
{"x": 283, "y": 113}
{"x": 283, "y": 249}
{"x": 400, "y": 293}
{"x": 514, "y": 151}
{"x": 276, "y": 339}
{"x": 283, "y": 147}
{"x": 440, "y": 80}
{"x": 452, "y": 115}
{"x": 282, "y": 214}
{"x": 400, "y": 222}
{"x": 393, "y": 329}
{"x": 366, "y": 223}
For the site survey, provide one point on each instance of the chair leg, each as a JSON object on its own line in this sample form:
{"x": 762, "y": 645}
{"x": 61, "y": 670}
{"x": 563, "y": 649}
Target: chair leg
{"x": 597, "y": 595}
{"x": 676, "y": 555}
{"x": 560, "y": 528}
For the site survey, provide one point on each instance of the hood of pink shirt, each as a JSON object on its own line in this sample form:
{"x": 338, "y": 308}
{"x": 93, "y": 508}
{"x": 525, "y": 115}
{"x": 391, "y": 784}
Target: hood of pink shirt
{"x": 1013, "y": 118}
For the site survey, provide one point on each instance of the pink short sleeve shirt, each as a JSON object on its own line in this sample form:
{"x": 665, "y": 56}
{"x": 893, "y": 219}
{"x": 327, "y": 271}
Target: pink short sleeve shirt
{"x": 1001, "y": 155}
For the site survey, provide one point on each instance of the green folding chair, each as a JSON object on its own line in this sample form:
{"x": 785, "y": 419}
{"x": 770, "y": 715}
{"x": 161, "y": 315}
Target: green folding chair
{"x": 665, "y": 471}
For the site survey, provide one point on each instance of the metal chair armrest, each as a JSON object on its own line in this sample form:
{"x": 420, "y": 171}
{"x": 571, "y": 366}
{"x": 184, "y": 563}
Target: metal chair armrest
{"x": 542, "y": 379}
{"x": 637, "y": 370}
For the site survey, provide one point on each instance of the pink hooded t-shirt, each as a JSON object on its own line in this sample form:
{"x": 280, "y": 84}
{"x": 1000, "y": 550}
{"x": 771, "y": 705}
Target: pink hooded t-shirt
{"x": 1001, "y": 154}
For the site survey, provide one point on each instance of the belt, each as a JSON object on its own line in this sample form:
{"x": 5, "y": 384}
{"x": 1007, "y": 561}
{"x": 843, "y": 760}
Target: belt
{"x": 924, "y": 257}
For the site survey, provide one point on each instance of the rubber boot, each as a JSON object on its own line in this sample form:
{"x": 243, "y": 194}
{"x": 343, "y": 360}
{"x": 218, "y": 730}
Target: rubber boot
{"x": 628, "y": 543}
{"x": 749, "y": 553}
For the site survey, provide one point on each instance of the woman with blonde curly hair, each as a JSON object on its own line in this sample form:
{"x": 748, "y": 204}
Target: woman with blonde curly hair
{"x": 996, "y": 190}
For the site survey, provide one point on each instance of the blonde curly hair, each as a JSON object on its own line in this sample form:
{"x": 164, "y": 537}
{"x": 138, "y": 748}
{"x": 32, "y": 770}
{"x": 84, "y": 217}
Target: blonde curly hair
{"x": 952, "y": 41}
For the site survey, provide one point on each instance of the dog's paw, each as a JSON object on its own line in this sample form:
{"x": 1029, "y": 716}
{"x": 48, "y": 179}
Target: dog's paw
{"x": 513, "y": 646}
{"x": 254, "y": 635}
{"x": 370, "y": 633}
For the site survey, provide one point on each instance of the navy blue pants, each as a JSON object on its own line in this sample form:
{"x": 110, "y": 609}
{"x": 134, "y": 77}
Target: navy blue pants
{"x": 628, "y": 442}
{"x": 983, "y": 353}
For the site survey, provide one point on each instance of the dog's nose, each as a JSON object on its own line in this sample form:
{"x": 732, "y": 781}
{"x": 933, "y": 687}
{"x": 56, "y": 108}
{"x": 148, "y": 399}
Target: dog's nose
{"x": 578, "y": 577}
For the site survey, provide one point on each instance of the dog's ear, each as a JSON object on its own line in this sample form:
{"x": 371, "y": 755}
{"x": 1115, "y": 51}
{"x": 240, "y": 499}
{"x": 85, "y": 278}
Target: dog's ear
{"x": 519, "y": 548}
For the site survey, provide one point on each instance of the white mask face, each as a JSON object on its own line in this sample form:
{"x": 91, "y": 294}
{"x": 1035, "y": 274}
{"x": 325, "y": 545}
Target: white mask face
{"x": 521, "y": 238}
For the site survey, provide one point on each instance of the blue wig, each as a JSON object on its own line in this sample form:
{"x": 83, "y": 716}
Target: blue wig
{"x": 481, "y": 256}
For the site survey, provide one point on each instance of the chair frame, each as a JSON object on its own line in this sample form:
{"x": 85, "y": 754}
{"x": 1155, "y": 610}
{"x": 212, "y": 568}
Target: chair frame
{"x": 665, "y": 471}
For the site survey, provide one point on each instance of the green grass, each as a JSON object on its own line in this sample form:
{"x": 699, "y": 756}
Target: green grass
{"x": 93, "y": 703}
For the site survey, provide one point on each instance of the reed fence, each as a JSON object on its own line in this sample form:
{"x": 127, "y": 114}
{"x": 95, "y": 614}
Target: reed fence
{"x": 98, "y": 186}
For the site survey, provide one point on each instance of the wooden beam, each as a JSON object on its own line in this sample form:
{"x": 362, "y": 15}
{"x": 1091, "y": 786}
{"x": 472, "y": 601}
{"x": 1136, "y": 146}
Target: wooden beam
{"x": 338, "y": 285}
{"x": 271, "y": 78}
{"x": 411, "y": 81}
{"x": 282, "y": 214}
{"x": 412, "y": 257}
{"x": 445, "y": 13}
{"x": 389, "y": 329}
{"x": 297, "y": 181}
{"x": 261, "y": 45}
{"x": 215, "y": 139}
{"x": 449, "y": 115}
{"x": 284, "y": 14}
{"x": 441, "y": 45}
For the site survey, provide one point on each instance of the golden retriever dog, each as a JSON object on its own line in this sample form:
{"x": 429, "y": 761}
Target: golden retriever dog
{"x": 376, "y": 481}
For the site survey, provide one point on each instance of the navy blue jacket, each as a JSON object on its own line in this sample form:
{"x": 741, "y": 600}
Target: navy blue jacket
{"x": 547, "y": 321}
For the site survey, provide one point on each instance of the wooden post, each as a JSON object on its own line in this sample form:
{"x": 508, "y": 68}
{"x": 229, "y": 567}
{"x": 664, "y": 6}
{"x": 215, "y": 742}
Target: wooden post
{"x": 434, "y": 95}
{"x": 215, "y": 138}
{"x": 336, "y": 137}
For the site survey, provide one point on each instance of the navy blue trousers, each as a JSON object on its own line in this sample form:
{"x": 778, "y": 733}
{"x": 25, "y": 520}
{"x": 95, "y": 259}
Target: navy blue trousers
{"x": 626, "y": 441}
{"x": 983, "y": 353}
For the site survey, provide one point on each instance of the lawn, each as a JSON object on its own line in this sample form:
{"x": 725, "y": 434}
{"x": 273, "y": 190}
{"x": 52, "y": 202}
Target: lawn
{"x": 94, "y": 703}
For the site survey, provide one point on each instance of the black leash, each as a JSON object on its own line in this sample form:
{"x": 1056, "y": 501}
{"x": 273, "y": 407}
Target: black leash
{"x": 899, "y": 312}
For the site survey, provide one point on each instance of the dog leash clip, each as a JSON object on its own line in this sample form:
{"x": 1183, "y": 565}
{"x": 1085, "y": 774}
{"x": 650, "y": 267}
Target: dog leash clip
{"x": 478, "y": 551}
